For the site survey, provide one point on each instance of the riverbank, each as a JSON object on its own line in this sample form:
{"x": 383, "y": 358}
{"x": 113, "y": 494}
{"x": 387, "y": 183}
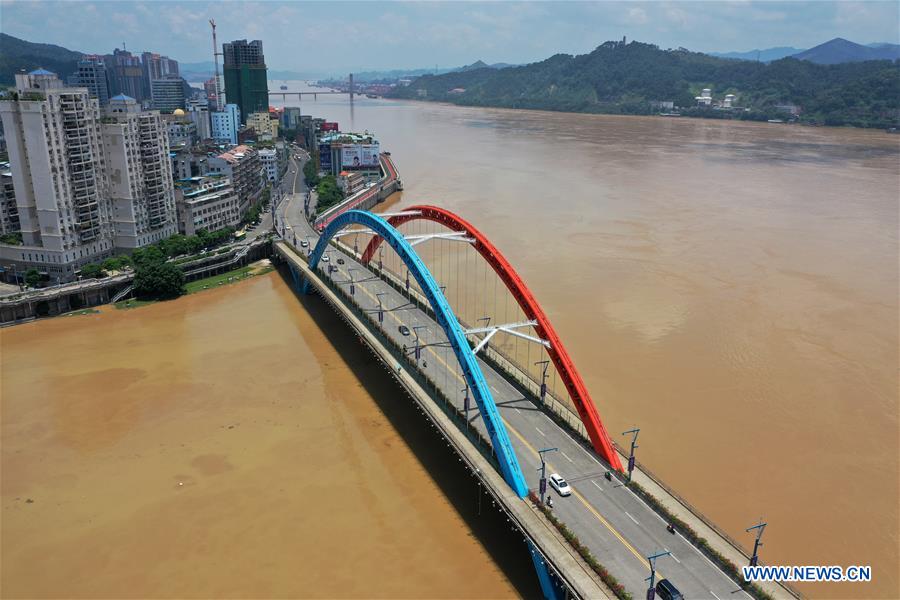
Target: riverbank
{"x": 260, "y": 267}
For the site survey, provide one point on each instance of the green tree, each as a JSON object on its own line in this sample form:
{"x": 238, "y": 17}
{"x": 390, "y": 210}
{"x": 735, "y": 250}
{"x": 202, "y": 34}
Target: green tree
{"x": 147, "y": 255}
{"x": 311, "y": 170}
{"x": 92, "y": 271}
{"x": 158, "y": 281}
{"x": 329, "y": 193}
{"x": 32, "y": 277}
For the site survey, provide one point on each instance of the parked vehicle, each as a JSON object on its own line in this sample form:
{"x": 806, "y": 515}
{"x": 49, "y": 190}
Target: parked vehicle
{"x": 559, "y": 484}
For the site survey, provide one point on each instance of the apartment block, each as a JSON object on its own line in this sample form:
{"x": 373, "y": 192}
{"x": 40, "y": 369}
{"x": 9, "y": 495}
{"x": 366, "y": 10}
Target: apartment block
{"x": 209, "y": 203}
{"x": 266, "y": 127}
{"x": 242, "y": 166}
{"x": 58, "y": 171}
{"x": 9, "y": 212}
{"x": 225, "y": 124}
{"x": 140, "y": 174}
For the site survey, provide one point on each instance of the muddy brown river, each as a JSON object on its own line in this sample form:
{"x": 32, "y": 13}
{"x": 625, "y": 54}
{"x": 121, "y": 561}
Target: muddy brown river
{"x": 221, "y": 446}
{"x": 730, "y": 288}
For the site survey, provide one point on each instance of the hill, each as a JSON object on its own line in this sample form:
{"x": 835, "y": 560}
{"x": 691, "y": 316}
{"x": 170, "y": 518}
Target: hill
{"x": 16, "y": 54}
{"x": 766, "y": 55}
{"x": 622, "y": 78}
{"x": 839, "y": 50}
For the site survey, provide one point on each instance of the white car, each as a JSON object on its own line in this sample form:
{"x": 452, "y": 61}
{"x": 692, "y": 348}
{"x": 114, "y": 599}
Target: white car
{"x": 559, "y": 484}
{"x": 304, "y": 244}
{"x": 325, "y": 258}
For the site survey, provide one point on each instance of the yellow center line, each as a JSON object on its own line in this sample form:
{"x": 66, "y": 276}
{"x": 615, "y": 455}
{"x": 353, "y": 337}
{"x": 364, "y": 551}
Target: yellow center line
{"x": 531, "y": 448}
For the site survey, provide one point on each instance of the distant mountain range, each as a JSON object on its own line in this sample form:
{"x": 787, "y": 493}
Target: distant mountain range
{"x": 767, "y": 55}
{"x": 839, "y": 50}
{"x": 832, "y": 52}
{"x": 639, "y": 78}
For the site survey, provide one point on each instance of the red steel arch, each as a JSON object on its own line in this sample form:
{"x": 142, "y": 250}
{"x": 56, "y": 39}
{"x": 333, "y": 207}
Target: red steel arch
{"x": 516, "y": 286}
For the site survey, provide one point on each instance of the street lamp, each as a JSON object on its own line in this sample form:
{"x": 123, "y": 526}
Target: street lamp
{"x": 651, "y": 591}
{"x": 418, "y": 350}
{"x": 352, "y": 284}
{"x": 759, "y": 527}
{"x": 635, "y": 431}
{"x": 543, "y": 483}
{"x": 380, "y": 307}
{"x": 546, "y": 364}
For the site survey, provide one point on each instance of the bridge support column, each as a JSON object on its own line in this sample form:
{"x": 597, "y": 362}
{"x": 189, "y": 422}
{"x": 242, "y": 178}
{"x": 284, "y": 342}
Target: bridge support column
{"x": 550, "y": 590}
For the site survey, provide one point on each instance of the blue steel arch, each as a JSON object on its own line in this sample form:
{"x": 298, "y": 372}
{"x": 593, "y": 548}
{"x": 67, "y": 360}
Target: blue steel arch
{"x": 506, "y": 455}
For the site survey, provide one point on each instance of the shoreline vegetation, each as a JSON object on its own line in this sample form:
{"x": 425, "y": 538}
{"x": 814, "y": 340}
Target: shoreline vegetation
{"x": 635, "y": 78}
{"x": 255, "y": 269}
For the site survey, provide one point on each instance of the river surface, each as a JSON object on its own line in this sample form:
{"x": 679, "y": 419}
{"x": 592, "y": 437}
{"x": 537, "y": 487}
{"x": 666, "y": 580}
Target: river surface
{"x": 221, "y": 446}
{"x": 730, "y": 288}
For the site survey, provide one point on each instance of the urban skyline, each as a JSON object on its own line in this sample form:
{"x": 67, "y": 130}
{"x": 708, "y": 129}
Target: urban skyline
{"x": 421, "y": 35}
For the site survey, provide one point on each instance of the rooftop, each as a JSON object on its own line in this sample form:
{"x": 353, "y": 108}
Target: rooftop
{"x": 41, "y": 71}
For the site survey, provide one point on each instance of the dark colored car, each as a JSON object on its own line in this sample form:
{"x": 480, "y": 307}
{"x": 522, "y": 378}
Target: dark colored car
{"x": 340, "y": 261}
{"x": 666, "y": 591}
{"x": 404, "y": 330}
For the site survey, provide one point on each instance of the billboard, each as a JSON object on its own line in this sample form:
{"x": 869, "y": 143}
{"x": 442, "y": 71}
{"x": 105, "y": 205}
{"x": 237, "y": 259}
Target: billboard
{"x": 359, "y": 155}
{"x": 326, "y": 126}
{"x": 325, "y": 157}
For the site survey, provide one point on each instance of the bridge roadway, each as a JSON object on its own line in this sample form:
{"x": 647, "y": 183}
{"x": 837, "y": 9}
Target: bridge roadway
{"x": 618, "y": 527}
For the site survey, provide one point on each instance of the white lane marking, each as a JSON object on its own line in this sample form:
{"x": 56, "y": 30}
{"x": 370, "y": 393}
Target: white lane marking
{"x": 714, "y": 595}
{"x": 676, "y": 558}
{"x": 598, "y": 485}
{"x": 567, "y": 457}
{"x": 632, "y": 518}
{"x": 540, "y": 432}
{"x": 518, "y": 411}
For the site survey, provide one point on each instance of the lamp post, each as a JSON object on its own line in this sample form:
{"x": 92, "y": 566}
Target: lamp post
{"x": 352, "y": 283}
{"x": 651, "y": 591}
{"x": 466, "y": 404}
{"x": 635, "y": 431}
{"x": 543, "y": 470}
{"x": 546, "y": 364}
{"x": 418, "y": 349}
{"x": 380, "y": 307}
{"x": 759, "y": 527}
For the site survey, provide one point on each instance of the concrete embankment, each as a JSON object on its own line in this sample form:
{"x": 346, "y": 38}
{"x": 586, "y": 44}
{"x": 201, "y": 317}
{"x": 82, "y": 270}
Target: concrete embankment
{"x": 575, "y": 574}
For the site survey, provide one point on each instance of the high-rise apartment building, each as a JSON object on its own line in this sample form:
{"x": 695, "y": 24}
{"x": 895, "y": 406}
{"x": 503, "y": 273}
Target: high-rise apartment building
{"x": 92, "y": 74}
{"x": 167, "y": 94}
{"x": 225, "y": 124}
{"x": 9, "y": 212}
{"x": 245, "y": 76}
{"x": 155, "y": 66}
{"x": 136, "y": 146}
{"x": 59, "y": 175}
{"x": 126, "y": 75}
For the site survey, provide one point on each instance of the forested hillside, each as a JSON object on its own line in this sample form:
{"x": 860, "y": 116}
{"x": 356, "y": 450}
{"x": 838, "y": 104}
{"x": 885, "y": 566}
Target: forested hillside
{"x": 16, "y": 54}
{"x": 627, "y": 78}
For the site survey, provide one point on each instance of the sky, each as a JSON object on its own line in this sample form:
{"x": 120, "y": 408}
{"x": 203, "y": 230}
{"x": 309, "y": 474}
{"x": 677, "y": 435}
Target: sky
{"x": 341, "y": 37}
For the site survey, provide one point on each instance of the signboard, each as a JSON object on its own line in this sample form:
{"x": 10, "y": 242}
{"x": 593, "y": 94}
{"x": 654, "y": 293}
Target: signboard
{"x": 325, "y": 157}
{"x": 326, "y": 126}
{"x": 359, "y": 155}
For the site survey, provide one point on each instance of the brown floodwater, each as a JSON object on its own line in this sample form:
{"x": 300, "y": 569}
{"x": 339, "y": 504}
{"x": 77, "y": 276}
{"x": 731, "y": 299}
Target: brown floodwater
{"x": 730, "y": 288}
{"x": 222, "y": 445}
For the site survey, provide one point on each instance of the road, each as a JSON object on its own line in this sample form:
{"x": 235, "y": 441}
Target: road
{"x": 618, "y": 527}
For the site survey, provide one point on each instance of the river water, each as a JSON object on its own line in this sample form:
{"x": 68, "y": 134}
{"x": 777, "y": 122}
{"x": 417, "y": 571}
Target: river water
{"x": 221, "y": 446}
{"x": 730, "y": 288}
